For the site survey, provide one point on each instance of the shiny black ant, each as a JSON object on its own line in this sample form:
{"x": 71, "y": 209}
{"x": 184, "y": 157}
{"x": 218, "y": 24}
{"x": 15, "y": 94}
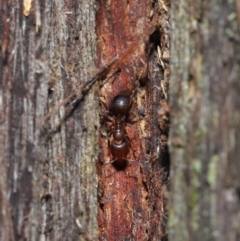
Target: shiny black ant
{"x": 120, "y": 106}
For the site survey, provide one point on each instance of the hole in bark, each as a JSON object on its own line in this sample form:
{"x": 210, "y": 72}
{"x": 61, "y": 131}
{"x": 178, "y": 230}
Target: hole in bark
{"x": 165, "y": 166}
{"x": 50, "y": 91}
{"x": 154, "y": 40}
{"x": 143, "y": 82}
{"x": 142, "y": 112}
{"x": 154, "y": 207}
{"x": 101, "y": 205}
{"x": 154, "y": 3}
{"x": 46, "y": 198}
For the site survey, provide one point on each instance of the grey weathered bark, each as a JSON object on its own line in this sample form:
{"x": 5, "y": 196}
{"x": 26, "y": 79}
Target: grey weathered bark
{"x": 205, "y": 119}
{"x": 48, "y": 179}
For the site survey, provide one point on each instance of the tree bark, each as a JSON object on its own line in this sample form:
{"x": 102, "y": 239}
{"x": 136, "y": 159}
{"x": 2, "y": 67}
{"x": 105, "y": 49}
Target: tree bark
{"x": 204, "y": 139}
{"x": 48, "y": 178}
{"x": 49, "y": 145}
{"x": 48, "y": 181}
{"x": 131, "y": 203}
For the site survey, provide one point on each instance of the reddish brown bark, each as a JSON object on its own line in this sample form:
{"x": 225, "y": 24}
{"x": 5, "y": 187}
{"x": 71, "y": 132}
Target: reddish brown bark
{"x": 131, "y": 202}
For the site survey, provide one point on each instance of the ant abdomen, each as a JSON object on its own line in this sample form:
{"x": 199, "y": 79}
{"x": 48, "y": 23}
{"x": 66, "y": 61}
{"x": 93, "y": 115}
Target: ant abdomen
{"x": 119, "y": 151}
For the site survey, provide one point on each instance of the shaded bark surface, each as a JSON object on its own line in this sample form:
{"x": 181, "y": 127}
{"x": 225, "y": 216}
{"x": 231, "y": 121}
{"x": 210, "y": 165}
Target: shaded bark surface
{"x": 205, "y": 117}
{"x": 48, "y": 184}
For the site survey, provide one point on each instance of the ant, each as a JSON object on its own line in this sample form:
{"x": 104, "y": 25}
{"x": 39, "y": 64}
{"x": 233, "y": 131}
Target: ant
{"x": 120, "y": 106}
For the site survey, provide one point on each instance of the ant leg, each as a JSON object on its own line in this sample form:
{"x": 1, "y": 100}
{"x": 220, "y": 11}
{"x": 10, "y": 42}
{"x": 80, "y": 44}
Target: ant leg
{"x": 106, "y": 119}
{"x": 134, "y": 161}
{"x": 103, "y": 168}
{"x": 105, "y": 109}
{"x": 109, "y": 162}
{"x": 133, "y": 121}
{"x": 131, "y": 160}
{"x": 135, "y": 118}
{"x": 129, "y": 142}
{"x": 113, "y": 75}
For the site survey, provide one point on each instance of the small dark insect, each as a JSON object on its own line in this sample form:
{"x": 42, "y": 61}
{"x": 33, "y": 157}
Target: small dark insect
{"x": 119, "y": 147}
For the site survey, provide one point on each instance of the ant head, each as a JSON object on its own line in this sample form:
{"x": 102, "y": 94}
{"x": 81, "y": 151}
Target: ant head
{"x": 120, "y": 105}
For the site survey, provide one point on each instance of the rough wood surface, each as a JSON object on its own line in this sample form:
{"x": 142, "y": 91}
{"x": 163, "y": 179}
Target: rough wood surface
{"x": 205, "y": 117}
{"x": 48, "y": 184}
{"x": 131, "y": 196}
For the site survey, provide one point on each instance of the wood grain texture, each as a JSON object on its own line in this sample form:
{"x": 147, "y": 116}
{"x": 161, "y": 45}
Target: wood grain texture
{"x": 131, "y": 197}
{"x": 204, "y": 94}
{"x": 48, "y": 179}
